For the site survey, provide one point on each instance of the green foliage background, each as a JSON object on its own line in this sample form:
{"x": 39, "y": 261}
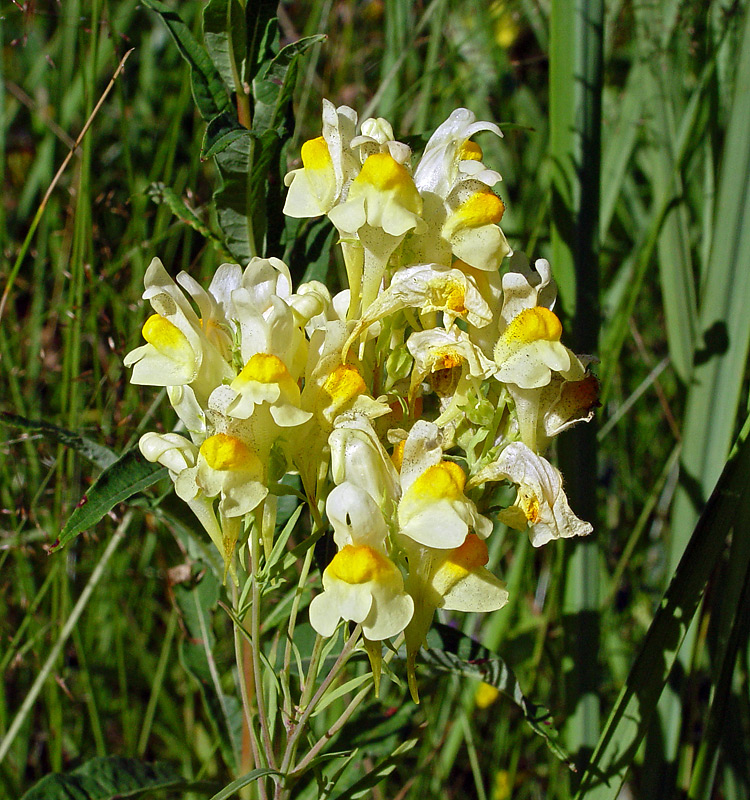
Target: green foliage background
{"x": 673, "y": 269}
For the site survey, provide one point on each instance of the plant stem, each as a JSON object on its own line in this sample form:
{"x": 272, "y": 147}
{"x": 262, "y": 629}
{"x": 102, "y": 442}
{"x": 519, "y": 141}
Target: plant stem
{"x": 256, "y": 534}
{"x": 299, "y": 728}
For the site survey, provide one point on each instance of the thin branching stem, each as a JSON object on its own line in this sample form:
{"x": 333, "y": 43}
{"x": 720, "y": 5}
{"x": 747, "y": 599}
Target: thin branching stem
{"x": 299, "y": 728}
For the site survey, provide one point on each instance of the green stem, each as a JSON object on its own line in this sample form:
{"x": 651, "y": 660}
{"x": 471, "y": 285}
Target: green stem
{"x": 282, "y": 792}
{"x": 256, "y": 534}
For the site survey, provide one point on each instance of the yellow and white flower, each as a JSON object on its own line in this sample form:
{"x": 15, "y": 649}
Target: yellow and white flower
{"x": 455, "y": 580}
{"x": 540, "y": 502}
{"x": 358, "y": 457}
{"x": 450, "y": 156}
{"x": 328, "y": 165}
{"x": 381, "y": 207}
{"x": 453, "y": 365}
{"x": 361, "y": 584}
{"x": 433, "y": 510}
{"x": 429, "y": 288}
{"x": 181, "y": 349}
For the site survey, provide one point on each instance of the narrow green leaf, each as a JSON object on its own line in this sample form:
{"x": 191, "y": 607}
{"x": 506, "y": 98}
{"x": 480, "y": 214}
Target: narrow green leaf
{"x": 576, "y": 73}
{"x": 96, "y": 453}
{"x": 734, "y": 600}
{"x": 455, "y": 652}
{"x": 160, "y": 193}
{"x": 209, "y": 91}
{"x": 363, "y": 787}
{"x": 107, "y": 779}
{"x": 245, "y": 780}
{"x": 225, "y": 37}
{"x": 130, "y": 474}
{"x": 633, "y": 710}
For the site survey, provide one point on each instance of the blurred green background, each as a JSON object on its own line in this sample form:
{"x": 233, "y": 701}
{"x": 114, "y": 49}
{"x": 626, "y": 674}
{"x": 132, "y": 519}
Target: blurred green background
{"x": 667, "y": 255}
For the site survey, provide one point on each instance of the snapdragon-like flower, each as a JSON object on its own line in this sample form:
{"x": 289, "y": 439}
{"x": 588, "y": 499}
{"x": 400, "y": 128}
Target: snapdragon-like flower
{"x": 455, "y": 580}
{"x": 429, "y": 288}
{"x": 433, "y": 510}
{"x": 361, "y": 584}
{"x": 540, "y": 502}
{"x": 181, "y": 349}
{"x": 328, "y": 165}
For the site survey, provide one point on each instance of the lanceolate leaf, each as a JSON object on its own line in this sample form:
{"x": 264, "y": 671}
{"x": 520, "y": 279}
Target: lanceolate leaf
{"x": 160, "y": 193}
{"x": 227, "y": 52}
{"x": 209, "y": 91}
{"x": 221, "y": 131}
{"x": 275, "y": 83}
{"x": 240, "y": 202}
{"x": 130, "y": 474}
{"x": 452, "y": 651}
{"x": 258, "y": 17}
{"x": 96, "y": 453}
{"x": 107, "y": 779}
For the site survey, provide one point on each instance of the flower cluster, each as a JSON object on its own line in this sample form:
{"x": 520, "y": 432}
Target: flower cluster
{"x": 401, "y": 401}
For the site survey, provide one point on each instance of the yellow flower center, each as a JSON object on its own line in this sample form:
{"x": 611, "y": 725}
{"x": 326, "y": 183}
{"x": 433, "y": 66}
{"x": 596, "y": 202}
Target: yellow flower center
{"x": 385, "y": 174}
{"x": 485, "y": 695}
{"x": 358, "y": 564}
{"x": 315, "y": 154}
{"x": 224, "y": 452}
{"x": 267, "y": 368}
{"x": 533, "y": 324}
{"x": 445, "y": 480}
{"x": 397, "y": 457}
{"x": 455, "y": 297}
{"x": 470, "y": 151}
{"x": 529, "y": 504}
{"x": 482, "y": 208}
{"x": 164, "y": 335}
{"x": 344, "y": 384}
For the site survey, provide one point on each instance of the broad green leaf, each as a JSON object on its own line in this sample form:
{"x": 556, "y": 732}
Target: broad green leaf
{"x": 636, "y": 704}
{"x": 220, "y": 132}
{"x": 96, "y": 453}
{"x": 107, "y": 779}
{"x": 225, "y": 37}
{"x": 452, "y": 651}
{"x": 309, "y": 243}
{"x": 130, "y": 474}
{"x": 209, "y": 91}
{"x": 274, "y": 85}
{"x": 240, "y": 202}
{"x": 233, "y": 204}
{"x": 260, "y": 27}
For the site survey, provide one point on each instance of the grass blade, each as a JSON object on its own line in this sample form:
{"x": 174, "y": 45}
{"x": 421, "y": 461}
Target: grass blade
{"x": 633, "y": 710}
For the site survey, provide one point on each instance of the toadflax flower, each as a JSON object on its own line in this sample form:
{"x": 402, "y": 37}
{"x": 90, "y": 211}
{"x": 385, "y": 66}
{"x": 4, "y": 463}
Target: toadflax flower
{"x": 361, "y": 584}
{"x": 540, "y": 502}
